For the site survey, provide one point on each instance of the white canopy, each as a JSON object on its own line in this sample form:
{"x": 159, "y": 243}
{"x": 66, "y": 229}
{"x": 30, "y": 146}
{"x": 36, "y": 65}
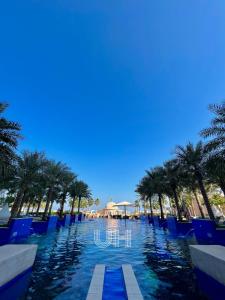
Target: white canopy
{"x": 125, "y": 203}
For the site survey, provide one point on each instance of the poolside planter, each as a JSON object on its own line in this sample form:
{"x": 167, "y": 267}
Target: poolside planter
{"x": 45, "y": 226}
{"x": 65, "y": 221}
{"x": 207, "y": 232}
{"x": 16, "y": 263}
{"x": 18, "y": 228}
{"x": 176, "y": 227}
{"x": 209, "y": 266}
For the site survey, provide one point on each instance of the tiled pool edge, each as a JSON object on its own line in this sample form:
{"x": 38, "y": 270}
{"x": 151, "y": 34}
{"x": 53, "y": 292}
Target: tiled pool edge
{"x": 95, "y": 291}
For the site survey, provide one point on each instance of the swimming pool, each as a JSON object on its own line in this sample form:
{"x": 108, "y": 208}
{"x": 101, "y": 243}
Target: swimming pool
{"x": 66, "y": 259}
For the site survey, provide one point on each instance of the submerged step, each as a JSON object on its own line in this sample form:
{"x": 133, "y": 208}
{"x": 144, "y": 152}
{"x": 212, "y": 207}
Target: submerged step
{"x": 114, "y": 283}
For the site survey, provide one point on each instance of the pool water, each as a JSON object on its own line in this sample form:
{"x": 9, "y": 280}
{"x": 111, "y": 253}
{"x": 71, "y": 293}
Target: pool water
{"x": 66, "y": 259}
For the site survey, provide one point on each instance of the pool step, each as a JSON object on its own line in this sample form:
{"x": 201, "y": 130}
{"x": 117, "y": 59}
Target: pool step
{"x": 114, "y": 283}
{"x": 97, "y": 282}
{"x": 132, "y": 287}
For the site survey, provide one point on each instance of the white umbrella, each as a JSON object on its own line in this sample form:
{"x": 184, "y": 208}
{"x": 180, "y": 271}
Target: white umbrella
{"x": 124, "y": 204}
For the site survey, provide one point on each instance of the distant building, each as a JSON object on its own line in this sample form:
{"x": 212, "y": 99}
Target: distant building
{"x": 109, "y": 211}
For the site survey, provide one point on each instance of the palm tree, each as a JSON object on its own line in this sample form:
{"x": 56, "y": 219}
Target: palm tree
{"x": 215, "y": 168}
{"x": 28, "y": 170}
{"x": 74, "y": 194}
{"x": 192, "y": 159}
{"x": 217, "y": 129}
{"x": 157, "y": 177}
{"x": 78, "y": 189}
{"x": 189, "y": 182}
{"x": 53, "y": 176}
{"x": 172, "y": 178}
{"x": 97, "y": 202}
{"x": 145, "y": 190}
{"x": 66, "y": 180}
{"x": 9, "y": 135}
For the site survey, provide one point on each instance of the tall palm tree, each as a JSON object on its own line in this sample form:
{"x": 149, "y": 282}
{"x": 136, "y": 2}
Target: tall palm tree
{"x": 172, "y": 171}
{"x": 79, "y": 190}
{"x": 53, "y": 176}
{"x": 28, "y": 170}
{"x": 145, "y": 190}
{"x": 215, "y": 168}
{"x": 97, "y": 202}
{"x": 66, "y": 180}
{"x": 192, "y": 159}
{"x": 9, "y": 136}
{"x": 157, "y": 177}
{"x": 189, "y": 182}
{"x": 217, "y": 129}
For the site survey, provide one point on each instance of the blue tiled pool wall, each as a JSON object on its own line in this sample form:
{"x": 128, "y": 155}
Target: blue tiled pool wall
{"x": 20, "y": 228}
{"x": 212, "y": 289}
{"x": 17, "y": 287}
{"x": 205, "y": 230}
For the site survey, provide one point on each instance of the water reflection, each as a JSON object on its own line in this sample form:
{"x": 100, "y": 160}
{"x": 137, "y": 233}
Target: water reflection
{"x": 57, "y": 257}
{"x": 169, "y": 259}
{"x": 66, "y": 260}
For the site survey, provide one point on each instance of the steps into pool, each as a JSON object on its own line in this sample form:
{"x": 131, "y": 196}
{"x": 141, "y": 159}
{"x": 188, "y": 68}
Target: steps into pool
{"x": 114, "y": 283}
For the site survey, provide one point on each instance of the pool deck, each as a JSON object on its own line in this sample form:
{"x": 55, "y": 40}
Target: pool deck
{"x": 14, "y": 260}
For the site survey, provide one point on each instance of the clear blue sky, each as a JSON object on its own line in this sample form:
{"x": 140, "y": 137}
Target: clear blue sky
{"x": 111, "y": 86}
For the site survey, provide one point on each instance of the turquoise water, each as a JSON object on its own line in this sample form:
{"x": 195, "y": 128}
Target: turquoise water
{"x": 66, "y": 259}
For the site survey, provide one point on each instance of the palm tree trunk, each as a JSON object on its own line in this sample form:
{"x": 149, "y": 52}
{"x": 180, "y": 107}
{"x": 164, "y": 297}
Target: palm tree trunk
{"x": 62, "y": 205}
{"x": 17, "y": 203}
{"x": 21, "y": 204}
{"x": 28, "y": 208}
{"x": 222, "y": 186}
{"x": 177, "y": 204}
{"x": 50, "y": 208}
{"x": 193, "y": 209}
{"x": 72, "y": 207}
{"x": 150, "y": 205}
{"x": 79, "y": 202}
{"x": 144, "y": 207}
{"x": 38, "y": 207}
{"x": 33, "y": 207}
{"x": 199, "y": 205}
{"x": 49, "y": 199}
{"x": 161, "y": 208}
{"x": 205, "y": 196}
